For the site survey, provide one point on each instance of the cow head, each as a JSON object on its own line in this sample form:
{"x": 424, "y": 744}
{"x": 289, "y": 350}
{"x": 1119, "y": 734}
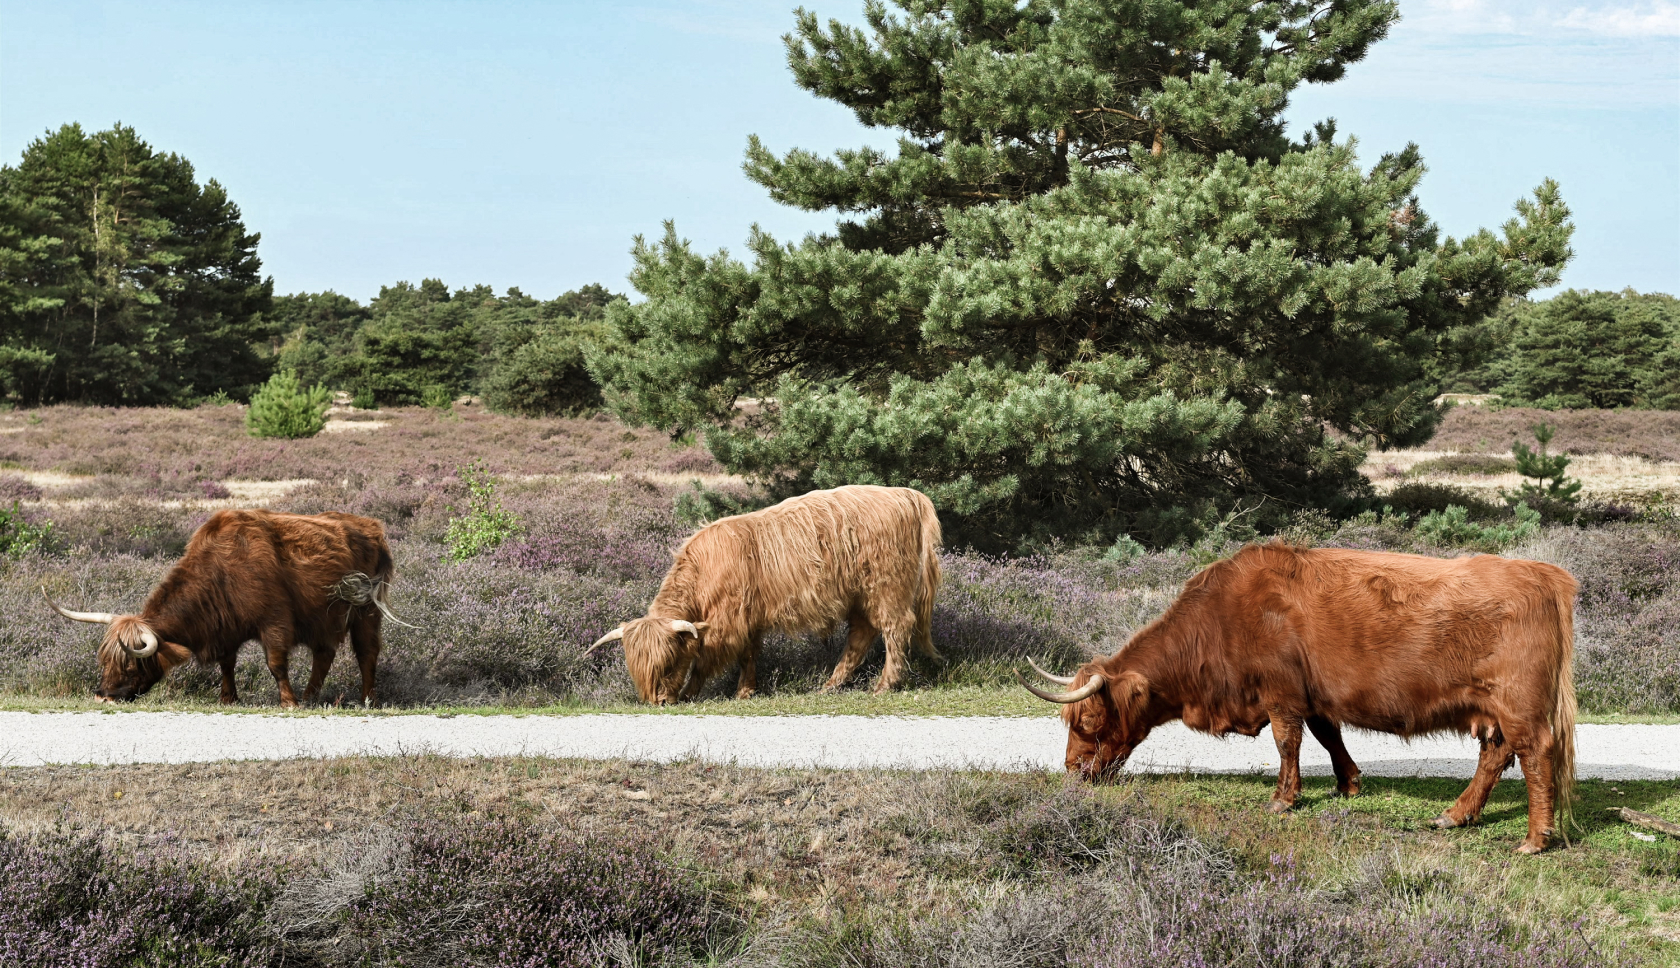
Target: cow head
{"x": 1107, "y": 716}
{"x": 132, "y": 658}
{"x": 659, "y": 653}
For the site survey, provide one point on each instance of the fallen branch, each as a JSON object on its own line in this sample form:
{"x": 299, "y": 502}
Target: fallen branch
{"x": 1646, "y": 820}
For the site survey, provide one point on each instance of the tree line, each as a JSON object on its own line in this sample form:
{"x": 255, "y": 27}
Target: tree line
{"x": 124, "y": 281}
{"x": 1574, "y": 351}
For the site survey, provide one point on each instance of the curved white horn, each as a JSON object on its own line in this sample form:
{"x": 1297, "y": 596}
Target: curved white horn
{"x": 1063, "y": 680}
{"x": 678, "y": 625}
{"x": 1096, "y": 682}
{"x": 612, "y": 636}
{"x": 100, "y": 618}
{"x": 148, "y": 649}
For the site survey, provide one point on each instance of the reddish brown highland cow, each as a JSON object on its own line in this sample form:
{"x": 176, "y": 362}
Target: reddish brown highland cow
{"x": 1328, "y": 638}
{"x": 282, "y": 579}
{"x": 869, "y": 555}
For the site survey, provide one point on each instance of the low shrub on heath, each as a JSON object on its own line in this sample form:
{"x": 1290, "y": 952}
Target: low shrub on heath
{"x": 506, "y": 893}
{"x": 77, "y": 901}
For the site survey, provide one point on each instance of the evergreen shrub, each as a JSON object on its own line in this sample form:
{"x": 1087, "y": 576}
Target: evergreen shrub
{"x": 282, "y": 408}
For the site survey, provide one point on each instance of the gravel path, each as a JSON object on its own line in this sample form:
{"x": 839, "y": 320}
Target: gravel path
{"x": 32, "y": 739}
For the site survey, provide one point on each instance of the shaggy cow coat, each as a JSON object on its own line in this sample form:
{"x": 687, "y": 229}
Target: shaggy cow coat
{"x": 282, "y": 579}
{"x": 1403, "y": 644}
{"x": 865, "y": 554}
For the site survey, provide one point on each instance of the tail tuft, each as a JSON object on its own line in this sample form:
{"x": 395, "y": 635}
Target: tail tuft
{"x": 1564, "y": 711}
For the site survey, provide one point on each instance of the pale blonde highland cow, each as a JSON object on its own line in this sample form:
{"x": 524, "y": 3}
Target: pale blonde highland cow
{"x": 865, "y": 554}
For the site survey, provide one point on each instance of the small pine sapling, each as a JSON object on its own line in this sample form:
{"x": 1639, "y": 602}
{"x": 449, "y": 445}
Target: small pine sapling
{"x": 283, "y": 408}
{"x": 1553, "y": 487}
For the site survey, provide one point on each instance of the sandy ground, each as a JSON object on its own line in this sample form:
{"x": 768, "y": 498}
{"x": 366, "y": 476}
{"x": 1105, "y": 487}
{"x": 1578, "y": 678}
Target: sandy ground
{"x": 1614, "y": 752}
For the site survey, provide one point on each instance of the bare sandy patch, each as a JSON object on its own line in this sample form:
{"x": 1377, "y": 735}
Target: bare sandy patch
{"x": 260, "y": 492}
{"x": 340, "y": 426}
{"x": 51, "y": 480}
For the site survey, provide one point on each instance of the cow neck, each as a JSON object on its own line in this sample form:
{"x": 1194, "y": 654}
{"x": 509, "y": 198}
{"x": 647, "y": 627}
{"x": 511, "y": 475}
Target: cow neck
{"x": 679, "y": 593}
{"x": 172, "y": 607}
{"x": 1168, "y": 652}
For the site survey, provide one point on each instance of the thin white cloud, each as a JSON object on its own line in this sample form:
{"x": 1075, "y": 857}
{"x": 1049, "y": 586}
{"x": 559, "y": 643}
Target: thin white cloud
{"x": 1645, "y": 20}
{"x": 1650, "y": 19}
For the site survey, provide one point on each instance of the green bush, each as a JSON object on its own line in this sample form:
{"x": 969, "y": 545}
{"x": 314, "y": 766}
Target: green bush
{"x": 1453, "y": 528}
{"x": 19, "y": 537}
{"x": 701, "y": 505}
{"x": 437, "y": 397}
{"x": 282, "y": 408}
{"x": 484, "y": 525}
{"x": 1418, "y": 498}
{"x": 544, "y": 376}
{"x": 364, "y": 400}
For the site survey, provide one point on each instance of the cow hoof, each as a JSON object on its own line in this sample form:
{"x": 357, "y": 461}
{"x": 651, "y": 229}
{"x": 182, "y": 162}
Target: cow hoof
{"x": 1444, "y": 822}
{"x": 1279, "y": 807}
{"x": 745, "y": 693}
{"x": 1349, "y": 791}
{"x": 1527, "y": 848}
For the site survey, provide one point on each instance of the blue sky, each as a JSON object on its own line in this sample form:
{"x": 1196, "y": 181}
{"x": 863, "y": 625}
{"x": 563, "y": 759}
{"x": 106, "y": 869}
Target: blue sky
{"x": 527, "y": 143}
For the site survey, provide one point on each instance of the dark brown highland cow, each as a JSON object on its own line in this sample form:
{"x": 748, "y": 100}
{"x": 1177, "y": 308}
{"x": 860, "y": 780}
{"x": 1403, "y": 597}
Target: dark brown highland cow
{"x": 1326, "y": 638}
{"x": 865, "y": 554}
{"x": 282, "y": 579}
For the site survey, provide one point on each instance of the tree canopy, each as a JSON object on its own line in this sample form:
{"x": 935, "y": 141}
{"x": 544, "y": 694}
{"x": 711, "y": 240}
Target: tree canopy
{"x": 1582, "y": 349}
{"x": 122, "y": 279}
{"x": 1096, "y": 289}
{"x": 523, "y": 354}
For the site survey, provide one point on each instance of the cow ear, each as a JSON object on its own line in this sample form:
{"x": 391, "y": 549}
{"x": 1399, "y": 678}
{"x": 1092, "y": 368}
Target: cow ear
{"x": 1130, "y": 692}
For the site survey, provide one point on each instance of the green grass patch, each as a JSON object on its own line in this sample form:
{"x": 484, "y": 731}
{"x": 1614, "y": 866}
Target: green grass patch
{"x": 1604, "y": 868}
{"x": 962, "y": 700}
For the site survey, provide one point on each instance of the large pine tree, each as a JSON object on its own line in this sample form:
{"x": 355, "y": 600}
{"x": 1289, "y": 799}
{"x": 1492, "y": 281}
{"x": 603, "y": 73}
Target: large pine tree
{"x": 122, "y": 279}
{"x": 1096, "y": 289}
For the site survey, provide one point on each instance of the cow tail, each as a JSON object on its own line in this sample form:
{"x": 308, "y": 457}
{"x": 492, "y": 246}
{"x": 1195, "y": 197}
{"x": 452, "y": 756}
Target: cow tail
{"x": 384, "y": 570}
{"x": 1563, "y": 712}
{"x": 932, "y": 538}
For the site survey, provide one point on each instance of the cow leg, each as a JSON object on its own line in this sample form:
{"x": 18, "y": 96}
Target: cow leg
{"x": 892, "y": 673}
{"x": 1286, "y": 730}
{"x": 924, "y": 637}
{"x": 748, "y": 683}
{"x": 1495, "y": 760}
{"x": 365, "y": 644}
{"x": 1329, "y": 736}
{"x": 701, "y": 665}
{"x": 1536, "y": 756}
{"x": 230, "y": 692}
{"x": 320, "y": 662}
{"x": 277, "y": 642}
{"x": 858, "y": 640}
